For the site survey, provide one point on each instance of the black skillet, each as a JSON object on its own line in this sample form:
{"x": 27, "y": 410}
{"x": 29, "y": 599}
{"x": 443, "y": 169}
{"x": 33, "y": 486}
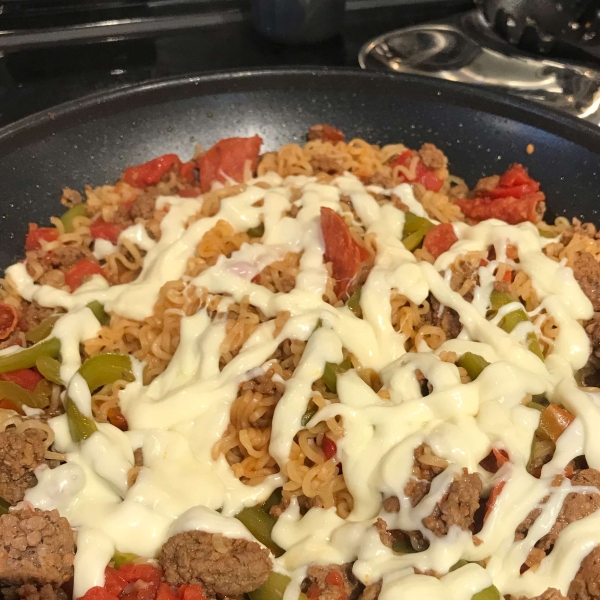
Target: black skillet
{"x": 90, "y": 141}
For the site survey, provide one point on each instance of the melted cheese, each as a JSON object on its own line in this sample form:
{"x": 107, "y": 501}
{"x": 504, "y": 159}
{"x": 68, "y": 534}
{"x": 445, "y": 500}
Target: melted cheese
{"x": 178, "y": 417}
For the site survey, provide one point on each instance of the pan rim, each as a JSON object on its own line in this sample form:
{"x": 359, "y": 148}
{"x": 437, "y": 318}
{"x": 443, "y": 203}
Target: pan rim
{"x": 479, "y": 99}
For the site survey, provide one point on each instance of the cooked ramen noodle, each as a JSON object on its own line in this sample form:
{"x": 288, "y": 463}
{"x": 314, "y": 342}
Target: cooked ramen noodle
{"x": 330, "y": 371}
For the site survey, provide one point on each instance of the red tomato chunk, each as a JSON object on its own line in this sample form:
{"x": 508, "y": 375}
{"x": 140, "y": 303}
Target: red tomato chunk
{"x": 439, "y": 239}
{"x": 37, "y": 234}
{"x": 150, "y": 172}
{"x": 81, "y": 270}
{"x": 227, "y": 159}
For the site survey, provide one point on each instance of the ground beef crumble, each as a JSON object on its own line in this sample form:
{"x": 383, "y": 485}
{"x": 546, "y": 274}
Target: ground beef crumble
{"x": 432, "y": 157}
{"x": 36, "y": 547}
{"x": 321, "y": 584}
{"x": 457, "y": 507}
{"x": 587, "y": 273}
{"x": 192, "y": 557}
{"x": 20, "y": 454}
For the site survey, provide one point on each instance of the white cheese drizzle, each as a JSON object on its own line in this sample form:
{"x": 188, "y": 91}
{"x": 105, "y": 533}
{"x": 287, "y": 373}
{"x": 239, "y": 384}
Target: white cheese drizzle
{"x": 178, "y": 417}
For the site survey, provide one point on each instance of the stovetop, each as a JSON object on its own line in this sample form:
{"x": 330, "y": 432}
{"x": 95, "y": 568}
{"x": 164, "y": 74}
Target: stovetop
{"x": 41, "y": 68}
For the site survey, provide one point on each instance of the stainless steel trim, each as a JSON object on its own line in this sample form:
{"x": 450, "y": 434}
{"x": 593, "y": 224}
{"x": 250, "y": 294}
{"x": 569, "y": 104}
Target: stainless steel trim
{"x": 449, "y": 50}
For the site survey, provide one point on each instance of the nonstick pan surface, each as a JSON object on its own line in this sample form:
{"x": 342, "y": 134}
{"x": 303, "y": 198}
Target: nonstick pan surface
{"x": 91, "y": 140}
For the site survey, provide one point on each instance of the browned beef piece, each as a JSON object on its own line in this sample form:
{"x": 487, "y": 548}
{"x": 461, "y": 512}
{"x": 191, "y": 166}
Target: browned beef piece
{"x": 576, "y": 506}
{"x": 36, "y": 547}
{"x": 586, "y": 585}
{"x": 71, "y": 197}
{"x": 391, "y": 504}
{"x": 549, "y": 594}
{"x": 224, "y": 566}
{"x": 371, "y": 592}
{"x": 457, "y": 507}
{"x": 502, "y": 286}
{"x": 487, "y": 183}
{"x": 46, "y": 592}
{"x": 326, "y": 133}
{"x": 448, "y": 320}
{"x": 32, "y": 314}
{"x": 592, "y": 327}
{"x": 138, "y": 457}
{"x": 122, "y": 216}
{"x": 66, "y": 256}
{"x": 325, "y": 164}
{"x": 421, "y": 469}
{"x": 384, "y": 535}
{"x": 587, "y": 274}
{"x": 20, "y": 454}
{"x": 332, "y": 582}
{"x": 143, "y": 207}
{"x": 432, "y": 157}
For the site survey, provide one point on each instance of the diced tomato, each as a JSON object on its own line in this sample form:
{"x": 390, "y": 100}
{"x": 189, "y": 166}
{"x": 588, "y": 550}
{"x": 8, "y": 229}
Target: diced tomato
{"x": 98, "y": 593}
{"x": 439, "y": 239}
{"x": 497, "y": 489}
{"x": 483, "y": 262}
{"x": 8, "y": 405}
{"x": 328, "y": 133}
{"x": 165, "y": 592}
{"x": 334, "y": 578}
{"x": 116, "y": 418}
{"x": 145, "y": 578}
{"x": 516, "y": 174}
{"x": 423, "y": 175}
{"x": 187, "y": 171}
{"x": 494, "y": 460}
{"x": 513, "y": 183}
{"x": 313, "y": 592}
{"x": 9, "y": 317}
{"x": 26, "y": 378}
{"x": 329, "y": 447}
{"x": 100, "y": 229}
{"x": 146, "y": 572}
{"x": 227, "y": 158}
{"x": 191, "y": 592}
{"x": 554, "y": 420}
{"x": 569, "y": 471}
{"x": 150, "y": 172}
{"x": 341, "y": 249}
{"x": 190, "y": 193}
{"x": 511, "y": 210}
{"x": 114, "y": 583}
{"x": 80, "y": 270}
{"x": 37, "y": 234}
{"x": 507, "y": 277}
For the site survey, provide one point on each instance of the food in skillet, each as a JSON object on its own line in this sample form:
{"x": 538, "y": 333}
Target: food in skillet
{"x": 330, "y": 372}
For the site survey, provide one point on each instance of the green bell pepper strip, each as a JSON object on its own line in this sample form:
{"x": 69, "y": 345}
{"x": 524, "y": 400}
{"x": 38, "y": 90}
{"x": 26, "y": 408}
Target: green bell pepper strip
{"x": 272, "y": 500}
{"x": 403, "y": 545}
{"x": 122, "y": 558}
{"x": 489, "y": 593}
{"x": 354, "y": 303}
{"x": 25, "y": 359}
{"x": 415, "y": 229}
{"x": 4, "y": 506}
{"x": 20, "y": 396}
{"x": 99, "y": 312}
{"x": 331, "y": 372}
{"x": 98, "y": 371}
{"x": 500, "y": 299}
{"x": 42, "y": 331}
{"x": 260, "y": 525}
{"x": 103, "y": 369}
{"x": 273, "y": 589}
{"x": 534, "y": 345}
{"x": 512, "y": 319}
{"x": 50, "y": 368}
{"x": 412, "y": 223}
{"x": 80, "y": 426}
{"x": 473, "y": 364}
{"x": 68, "y": 217}
{"x": 535, "y": 406}
{"x": 256, "y": 232}
{"x": 461, "y": 563}
{"x": 308, "y": 415}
